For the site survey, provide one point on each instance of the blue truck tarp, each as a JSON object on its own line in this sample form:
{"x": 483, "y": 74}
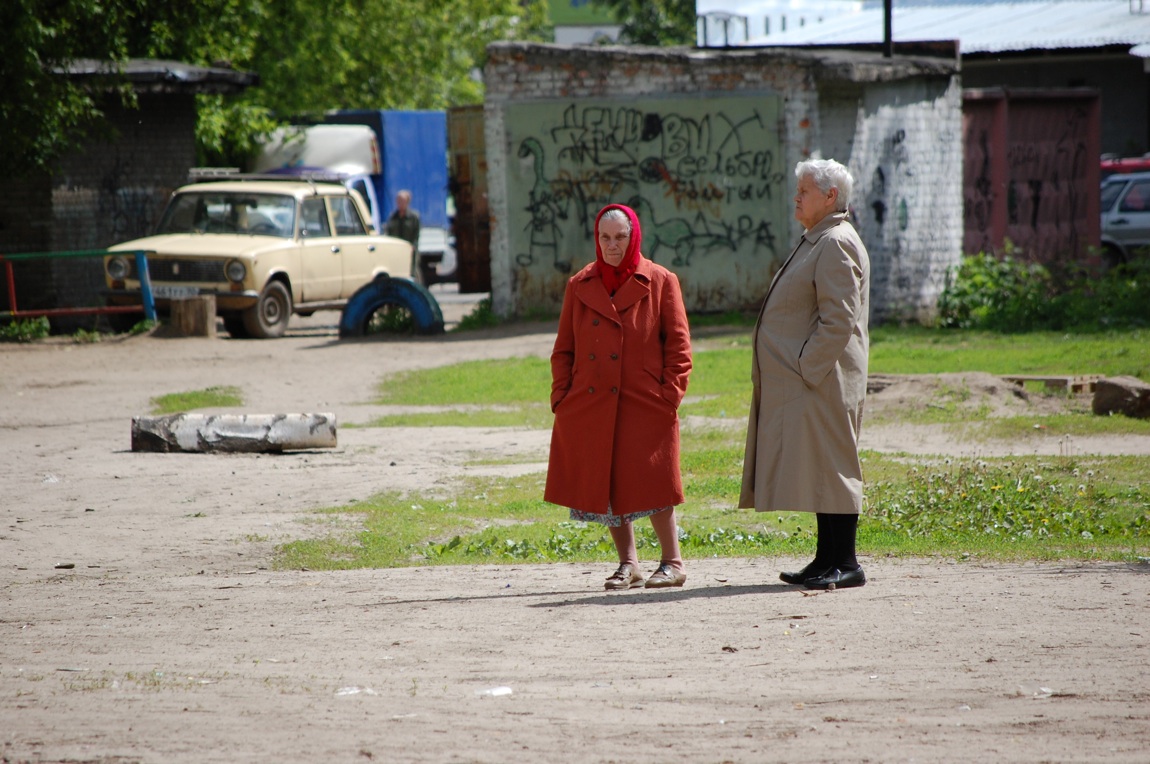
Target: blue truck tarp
{"x": 413, "y": 149}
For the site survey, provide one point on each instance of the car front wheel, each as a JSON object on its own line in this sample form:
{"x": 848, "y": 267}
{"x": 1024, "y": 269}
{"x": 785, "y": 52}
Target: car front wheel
{"x": 268, "y": 318}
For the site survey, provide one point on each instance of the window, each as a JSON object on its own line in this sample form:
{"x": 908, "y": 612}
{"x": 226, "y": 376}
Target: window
{"x": 229, "y": 212}
{"x": 347, "y": 221}
{"x": 1137, "y": 199}
{"x": 1110, "y": 194}
{"x": 314, "y": 214}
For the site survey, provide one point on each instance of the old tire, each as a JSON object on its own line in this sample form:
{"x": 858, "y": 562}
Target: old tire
{"x": 388, "y": 306}
{"x": 269, "y": 317}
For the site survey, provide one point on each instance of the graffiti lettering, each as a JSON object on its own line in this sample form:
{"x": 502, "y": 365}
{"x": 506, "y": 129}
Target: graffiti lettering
{"x": 703, "y": 181}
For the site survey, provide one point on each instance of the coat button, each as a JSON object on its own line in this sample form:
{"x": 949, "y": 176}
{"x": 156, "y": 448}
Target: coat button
{"x": 590, "y": 389}
{"x": 614, "y": 389}
{"x": 614, "y": 356}
{"x": 595, "y": 322}
{"x": 591, "y": 357}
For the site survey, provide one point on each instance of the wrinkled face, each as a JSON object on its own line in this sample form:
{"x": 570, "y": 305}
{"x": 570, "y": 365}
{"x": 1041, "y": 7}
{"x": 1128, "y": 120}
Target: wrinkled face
{"x": 614, "y": 237}
{"x": 811, "y": 204}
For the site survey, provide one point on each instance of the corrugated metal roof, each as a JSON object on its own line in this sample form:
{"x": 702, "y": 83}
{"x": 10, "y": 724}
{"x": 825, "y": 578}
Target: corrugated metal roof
{"x": 984, "y": 27}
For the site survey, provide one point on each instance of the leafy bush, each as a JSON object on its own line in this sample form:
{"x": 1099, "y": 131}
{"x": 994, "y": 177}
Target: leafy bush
{"x": 1117, "y": 299}
{"x": 985, "y": 292}
{"x": 25, "y": 331}
{"x": 1009, "y": 295}
{"x": 481, "y": 317}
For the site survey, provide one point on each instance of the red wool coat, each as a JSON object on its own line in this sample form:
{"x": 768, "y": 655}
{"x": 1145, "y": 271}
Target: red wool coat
{"x": 619, "y": 371}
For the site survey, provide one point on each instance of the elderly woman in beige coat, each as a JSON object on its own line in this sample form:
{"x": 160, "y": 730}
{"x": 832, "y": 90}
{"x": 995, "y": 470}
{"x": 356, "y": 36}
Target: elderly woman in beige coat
{"x": 809, "y": 374}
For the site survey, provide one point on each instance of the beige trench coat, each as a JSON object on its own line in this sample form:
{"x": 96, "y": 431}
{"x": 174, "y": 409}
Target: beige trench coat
{"x": 809, "y": 373}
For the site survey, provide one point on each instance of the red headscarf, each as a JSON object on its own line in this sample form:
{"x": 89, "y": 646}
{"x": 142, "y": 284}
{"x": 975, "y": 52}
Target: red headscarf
{"x": 614, "y": 276}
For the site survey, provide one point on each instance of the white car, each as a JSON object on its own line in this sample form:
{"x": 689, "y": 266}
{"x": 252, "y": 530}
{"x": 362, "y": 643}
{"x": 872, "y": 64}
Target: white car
{"x": 1125, "y": 216}
{"x": 264, "y": 248}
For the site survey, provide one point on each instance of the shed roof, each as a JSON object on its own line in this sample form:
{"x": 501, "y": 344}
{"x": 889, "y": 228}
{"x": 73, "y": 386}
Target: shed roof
{"x": 985, "y": 26}
{"x": 159, "y": 76}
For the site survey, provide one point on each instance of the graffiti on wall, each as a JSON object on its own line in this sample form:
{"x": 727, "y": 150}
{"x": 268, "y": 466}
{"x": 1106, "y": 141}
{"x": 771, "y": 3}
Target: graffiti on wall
{"x": 1031, "y": 176}
{"x": 705, "y": 177}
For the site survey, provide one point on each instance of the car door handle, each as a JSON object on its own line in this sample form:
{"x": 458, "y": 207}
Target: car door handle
{"x": 335, "y": 248}
{"x": 1119, "y": 221}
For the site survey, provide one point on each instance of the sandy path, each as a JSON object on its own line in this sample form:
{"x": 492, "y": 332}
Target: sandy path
{"x": 170, "y": 641}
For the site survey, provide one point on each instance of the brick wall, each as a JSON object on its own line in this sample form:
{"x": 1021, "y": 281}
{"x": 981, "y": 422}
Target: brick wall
{"x": 706, "y": 142}
{"x": 112, "y": 189}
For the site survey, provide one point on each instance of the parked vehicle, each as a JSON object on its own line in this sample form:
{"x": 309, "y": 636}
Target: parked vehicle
{"x": 1125, "y": 216}
{"x": 264, "y": 248}
{"x": 1112, "y": 164}
{"x": 409, "y": 151}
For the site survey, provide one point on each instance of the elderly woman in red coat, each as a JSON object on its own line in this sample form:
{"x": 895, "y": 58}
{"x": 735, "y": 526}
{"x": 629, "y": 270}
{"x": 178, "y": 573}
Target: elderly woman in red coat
{"x": 619, "y": 371}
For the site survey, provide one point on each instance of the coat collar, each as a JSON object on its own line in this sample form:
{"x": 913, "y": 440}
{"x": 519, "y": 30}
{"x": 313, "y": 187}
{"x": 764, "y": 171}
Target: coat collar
{"x": 590, "y": 290}
{"x": 820, "y": 228}
{"x": 811, "y": 236}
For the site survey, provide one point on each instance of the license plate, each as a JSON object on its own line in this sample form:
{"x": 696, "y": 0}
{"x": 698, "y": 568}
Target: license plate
{"x": 174, "y": 292}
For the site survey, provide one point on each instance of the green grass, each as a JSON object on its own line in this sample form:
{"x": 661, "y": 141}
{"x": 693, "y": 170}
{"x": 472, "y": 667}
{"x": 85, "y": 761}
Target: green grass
{"x": 535, "y": 416}
{"x": 916, "y": 350}
{"x": 1076, "y": 508}
{"x": 510, "y": 392}
{"x": 1065, "y": 507}
{"x": 212, "y": 397}
{"x": 1077, "y": 424}
{"x": 486, "y": 383}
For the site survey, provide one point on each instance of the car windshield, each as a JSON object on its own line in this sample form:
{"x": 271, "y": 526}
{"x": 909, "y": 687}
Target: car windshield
{"x": 230, "y": 212}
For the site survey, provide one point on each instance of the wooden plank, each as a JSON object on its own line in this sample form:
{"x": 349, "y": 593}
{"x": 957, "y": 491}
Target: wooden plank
{"x": 1073, "y": 384}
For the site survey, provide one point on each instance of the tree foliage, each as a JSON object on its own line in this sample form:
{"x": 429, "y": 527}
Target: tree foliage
{"x": 311, "y": 56}
{"x": 654, "y": 22}
{"x": 41, "y": 113}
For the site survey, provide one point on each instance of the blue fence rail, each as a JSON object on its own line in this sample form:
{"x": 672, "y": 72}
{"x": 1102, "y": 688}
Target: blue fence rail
{"x": 149, "y": 302}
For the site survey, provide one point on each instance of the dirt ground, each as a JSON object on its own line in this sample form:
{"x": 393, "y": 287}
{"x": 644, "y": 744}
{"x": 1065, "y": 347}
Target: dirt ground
{"x": 140, "y": 622}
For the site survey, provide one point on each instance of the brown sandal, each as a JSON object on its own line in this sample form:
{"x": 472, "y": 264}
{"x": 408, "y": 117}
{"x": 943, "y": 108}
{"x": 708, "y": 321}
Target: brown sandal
{"x": 625, "y": 577}
{"x": 664, "y": 576}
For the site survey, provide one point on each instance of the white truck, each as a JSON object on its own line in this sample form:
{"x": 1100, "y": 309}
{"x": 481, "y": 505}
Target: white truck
{"x": 354, "y": 155}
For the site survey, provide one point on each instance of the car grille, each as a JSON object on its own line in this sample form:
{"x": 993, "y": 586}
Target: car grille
{"x": 184, "y": 270}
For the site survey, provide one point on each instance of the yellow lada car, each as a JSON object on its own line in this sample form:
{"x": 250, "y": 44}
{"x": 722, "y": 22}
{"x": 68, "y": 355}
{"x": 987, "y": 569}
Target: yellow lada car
{"x": 265, "y": 248}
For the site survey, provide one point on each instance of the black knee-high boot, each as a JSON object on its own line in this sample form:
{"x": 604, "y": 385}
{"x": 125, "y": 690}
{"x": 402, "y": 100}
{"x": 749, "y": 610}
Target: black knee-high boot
{"x": 823, "y": 553}
{"x": 844, "y": 570}
{"x": 844, "y": 534}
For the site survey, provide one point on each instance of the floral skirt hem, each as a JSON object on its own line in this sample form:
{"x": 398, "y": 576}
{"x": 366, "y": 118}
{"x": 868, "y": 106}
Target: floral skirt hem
{"x": 614, "y": 521}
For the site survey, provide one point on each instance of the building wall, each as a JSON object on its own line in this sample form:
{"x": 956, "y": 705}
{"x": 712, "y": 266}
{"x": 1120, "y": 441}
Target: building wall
{"x": 112, "y": 189}
{"x": 1121, "y": 79}
{"x": 1032, "y": 174}
{"x": 115, "y": 189}
{"x": 907, "y": 161}
{"x": 703, "y": 144}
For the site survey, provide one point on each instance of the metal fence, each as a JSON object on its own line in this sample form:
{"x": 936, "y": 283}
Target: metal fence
{"x": 14, "y": 312}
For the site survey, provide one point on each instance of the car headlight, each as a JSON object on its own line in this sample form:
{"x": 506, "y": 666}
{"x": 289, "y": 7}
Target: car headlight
{"x": 235, "y": 270}
{"x": 119, "y": 268}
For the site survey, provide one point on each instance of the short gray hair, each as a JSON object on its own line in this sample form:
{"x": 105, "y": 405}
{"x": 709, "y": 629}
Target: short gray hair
{"x": 617, "y": 214}
{"x": 828, "y": 174}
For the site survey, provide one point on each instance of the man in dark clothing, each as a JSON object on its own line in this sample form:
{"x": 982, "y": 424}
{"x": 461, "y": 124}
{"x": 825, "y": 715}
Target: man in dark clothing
{"x": 404, "y": 221}
{"x": 404, "y": 224}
